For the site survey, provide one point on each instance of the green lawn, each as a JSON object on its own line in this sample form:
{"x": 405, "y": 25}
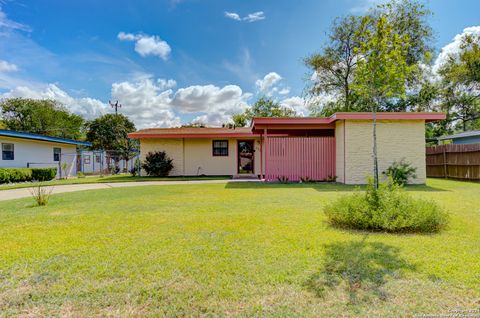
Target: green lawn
{"x": 107, "y": 179}
{"x": 231, "y": 250}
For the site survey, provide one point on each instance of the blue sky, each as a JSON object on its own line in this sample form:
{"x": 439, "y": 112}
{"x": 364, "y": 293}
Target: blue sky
{"x": 176, "y": 61}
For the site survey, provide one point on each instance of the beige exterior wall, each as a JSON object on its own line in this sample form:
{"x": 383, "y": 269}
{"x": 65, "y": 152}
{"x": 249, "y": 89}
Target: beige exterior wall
{"x": 193, "y": 156}
{"x": 339, "y": 150}
{"x": 395, "y": 140}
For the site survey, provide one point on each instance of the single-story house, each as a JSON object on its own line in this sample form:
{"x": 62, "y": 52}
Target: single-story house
{"x": 338, "y": 147}
{"x": 467, "y": 137}
{"x": 25, "y": 150}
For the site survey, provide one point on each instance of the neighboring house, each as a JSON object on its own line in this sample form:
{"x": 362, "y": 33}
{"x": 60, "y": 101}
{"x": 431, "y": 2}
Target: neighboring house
{"x": 467, "y": 137}
{"x": 25, "y": 150}
{"x": 99, "y": 161}
{"x": 318, "y": 148}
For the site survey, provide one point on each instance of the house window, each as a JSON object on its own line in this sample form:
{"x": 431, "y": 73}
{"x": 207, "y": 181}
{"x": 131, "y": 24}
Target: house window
{"x": 86, "y": 159}
{"x": 7, "y": 152}
{"x": 56, "y": 154}
{"x": 97, "y": 158}
{"x": 220, "y": 148}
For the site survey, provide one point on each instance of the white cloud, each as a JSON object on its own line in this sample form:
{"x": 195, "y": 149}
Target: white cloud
{"x": 218, "y": 104}
{"x": 284, "y": 91}
{"x": 251, "y": 17}
{"x": 266, "y": 85}
{"x": 155, "y": 104}
{"x": 7, "y": 67}
{"x": 146, "y": 102}
{"x": 6, "y": 23}
{"x": 454, "y": 46}
{"x": 296, "y": 103}
{"x": 256, "y": 16}
{"x": 85, "y": 106}
{"x": 147, "y": 44}
{"x": 150, "y": 102}
{"x": 233, "y": 16}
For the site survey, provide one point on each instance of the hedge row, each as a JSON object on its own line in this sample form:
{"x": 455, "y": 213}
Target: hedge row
{"x": 8, "y": 175}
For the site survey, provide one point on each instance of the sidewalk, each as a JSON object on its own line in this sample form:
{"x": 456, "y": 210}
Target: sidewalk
{"x": 25, "y": 192}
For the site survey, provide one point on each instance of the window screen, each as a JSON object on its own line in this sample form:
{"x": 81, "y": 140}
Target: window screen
{"x": 220, "y": 148}
{"x": 56, "y": 154}
{"x": 7, "y": 152}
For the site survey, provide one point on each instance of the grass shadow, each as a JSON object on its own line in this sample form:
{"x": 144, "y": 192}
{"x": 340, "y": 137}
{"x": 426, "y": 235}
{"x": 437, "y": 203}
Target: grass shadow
{"x": 319, "y": 186}
{"x": 358, "y": 269}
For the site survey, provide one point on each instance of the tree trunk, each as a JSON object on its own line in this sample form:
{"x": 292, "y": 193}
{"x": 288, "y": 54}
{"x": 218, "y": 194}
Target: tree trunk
{"x": 375, "y": 158}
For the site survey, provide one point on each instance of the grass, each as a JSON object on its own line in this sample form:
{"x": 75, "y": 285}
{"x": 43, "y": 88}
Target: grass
{"x": 231, "y": 250}
{"x": 107, "y": 179}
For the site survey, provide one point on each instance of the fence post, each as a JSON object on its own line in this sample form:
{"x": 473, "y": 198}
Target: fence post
{"x": 445, "y": 168}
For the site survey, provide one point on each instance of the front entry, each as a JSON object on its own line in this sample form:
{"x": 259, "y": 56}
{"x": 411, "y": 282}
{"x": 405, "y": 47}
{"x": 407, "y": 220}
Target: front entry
{"x": 245, "y": 151}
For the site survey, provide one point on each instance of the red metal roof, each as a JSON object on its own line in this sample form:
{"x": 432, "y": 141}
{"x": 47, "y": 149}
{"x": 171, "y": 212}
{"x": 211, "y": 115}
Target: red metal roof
{"x": 283, "y": 123}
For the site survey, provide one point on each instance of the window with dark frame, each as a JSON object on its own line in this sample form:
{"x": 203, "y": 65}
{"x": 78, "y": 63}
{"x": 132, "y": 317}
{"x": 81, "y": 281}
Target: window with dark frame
{"x": 57, "y": 153}
{"x": 220, "y": 148}
{"x": 8, "y": 152}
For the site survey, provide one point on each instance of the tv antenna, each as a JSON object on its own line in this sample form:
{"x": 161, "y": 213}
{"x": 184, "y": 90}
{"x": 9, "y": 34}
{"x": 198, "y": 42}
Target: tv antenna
{"x": 115, "y": 105}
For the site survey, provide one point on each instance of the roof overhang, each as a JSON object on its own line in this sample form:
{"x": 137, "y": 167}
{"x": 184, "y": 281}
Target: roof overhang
{"x": 426, "y": 116}
{"x": 176, "y": 136}
{"x": 58, "y": 140}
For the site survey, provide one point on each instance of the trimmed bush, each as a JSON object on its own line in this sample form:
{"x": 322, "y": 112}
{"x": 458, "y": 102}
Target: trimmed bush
{"x": 157, "y": 164}
{"x": 8, "y": 175}
{"x": 43, "y": 174}
{"x": 12, "y": 175}
{"x": 389, "y": 209}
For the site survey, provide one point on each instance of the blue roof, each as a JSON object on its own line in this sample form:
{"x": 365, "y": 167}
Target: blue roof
{"x": 22, "y": 135}
{"x": 464, "y": 134}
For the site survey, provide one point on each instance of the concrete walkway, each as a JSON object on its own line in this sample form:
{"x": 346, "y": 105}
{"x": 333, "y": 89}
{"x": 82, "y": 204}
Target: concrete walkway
{"x": 26, "y": 192}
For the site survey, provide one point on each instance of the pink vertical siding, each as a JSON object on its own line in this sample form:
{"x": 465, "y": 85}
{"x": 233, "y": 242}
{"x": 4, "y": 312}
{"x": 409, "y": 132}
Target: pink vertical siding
{"x": 296, "y": 157}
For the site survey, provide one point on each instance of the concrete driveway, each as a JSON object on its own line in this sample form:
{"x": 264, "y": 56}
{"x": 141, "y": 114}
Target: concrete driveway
{"x": 26, "y": 192}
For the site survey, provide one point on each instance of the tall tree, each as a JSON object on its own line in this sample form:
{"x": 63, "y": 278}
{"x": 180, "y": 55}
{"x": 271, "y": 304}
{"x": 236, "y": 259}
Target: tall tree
{"x": 334, "y": 68}
{"x": 45, "y": 117}
{"x": 383, "y": 69}
{"x": 110, "y": 132}
{"x": 263, "y": 107}
{"x": 460, "y": 81}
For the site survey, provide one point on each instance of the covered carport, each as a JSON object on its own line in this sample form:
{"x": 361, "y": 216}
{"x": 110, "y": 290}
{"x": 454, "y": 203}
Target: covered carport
{"x": 296, "y": 148}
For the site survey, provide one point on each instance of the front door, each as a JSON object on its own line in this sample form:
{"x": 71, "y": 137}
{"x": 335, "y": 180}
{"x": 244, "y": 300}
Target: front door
{"x": 245, "y": 152}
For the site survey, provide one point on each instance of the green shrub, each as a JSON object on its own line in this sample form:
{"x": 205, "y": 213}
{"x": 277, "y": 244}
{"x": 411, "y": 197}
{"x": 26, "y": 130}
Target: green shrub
{"x": 8, "y": 175}
{"x": 389, "y": 209}
{"x": 43, "y": 174}
{"x": 157, "y": 164}
{"x": 80, "y": 175}
{"x": 401, "y": 171}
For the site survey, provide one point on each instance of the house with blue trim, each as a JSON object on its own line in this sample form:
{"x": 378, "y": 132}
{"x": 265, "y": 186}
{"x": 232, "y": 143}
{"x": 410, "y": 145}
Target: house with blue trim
{"x": 25, "y": 150}
{"x": 467, "y": 137}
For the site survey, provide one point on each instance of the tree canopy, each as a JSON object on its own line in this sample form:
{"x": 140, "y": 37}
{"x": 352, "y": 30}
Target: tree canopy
{"x": 263, "y": 107}
{"x": 334, "y": 69}
{"x": 44, "y": 117}
{"x": 110, "y": 132}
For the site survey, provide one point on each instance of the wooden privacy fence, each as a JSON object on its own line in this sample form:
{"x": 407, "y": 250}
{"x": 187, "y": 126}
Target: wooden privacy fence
{"x": 298, "y": 157}
{"x": 454, "y": 161}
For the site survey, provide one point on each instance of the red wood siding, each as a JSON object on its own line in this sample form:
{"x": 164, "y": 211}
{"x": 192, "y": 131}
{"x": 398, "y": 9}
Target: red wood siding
{"x": 296, "y": 157}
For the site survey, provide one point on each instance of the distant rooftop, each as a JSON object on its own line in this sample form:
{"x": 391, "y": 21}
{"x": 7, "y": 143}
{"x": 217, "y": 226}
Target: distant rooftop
{"x": 464, "y": 134}
{"x": 23, "y": 135}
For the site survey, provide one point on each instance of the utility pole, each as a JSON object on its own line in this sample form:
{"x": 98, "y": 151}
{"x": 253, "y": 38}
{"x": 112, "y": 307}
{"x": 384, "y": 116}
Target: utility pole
{"x": 116, "y": 106}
